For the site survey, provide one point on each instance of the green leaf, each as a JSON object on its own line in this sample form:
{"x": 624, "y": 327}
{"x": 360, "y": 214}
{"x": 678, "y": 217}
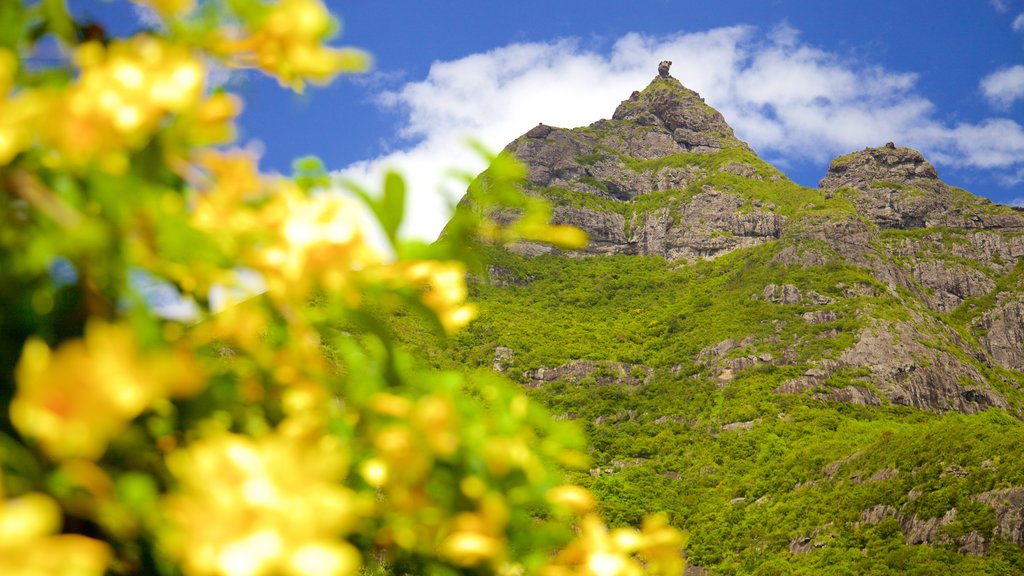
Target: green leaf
{"x": 391, "y": 210}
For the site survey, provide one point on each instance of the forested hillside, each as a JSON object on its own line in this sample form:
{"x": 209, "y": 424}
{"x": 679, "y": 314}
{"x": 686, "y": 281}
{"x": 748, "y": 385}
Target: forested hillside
{"x": 810, "y": 381}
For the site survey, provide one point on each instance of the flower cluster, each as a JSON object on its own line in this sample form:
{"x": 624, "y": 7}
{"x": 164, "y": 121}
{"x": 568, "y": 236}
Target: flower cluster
{"x": 75, "y": 399}
{"x": 287, "y": 42}
{"x": 656, "y": 549}
{"x": 30, "y": 543}
{"x": 123, "y": 93}
{"x": 270, "y": 506}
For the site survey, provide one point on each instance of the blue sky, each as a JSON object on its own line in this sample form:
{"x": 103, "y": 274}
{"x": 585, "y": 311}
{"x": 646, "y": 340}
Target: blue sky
{"x": 800, "y": 80}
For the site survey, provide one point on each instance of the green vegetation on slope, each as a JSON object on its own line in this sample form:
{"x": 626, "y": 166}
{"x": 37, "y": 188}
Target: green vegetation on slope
{"x": 745, "y": 471}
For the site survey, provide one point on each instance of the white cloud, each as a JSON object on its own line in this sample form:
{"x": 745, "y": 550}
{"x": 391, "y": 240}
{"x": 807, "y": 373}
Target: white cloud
{"x": 1004, "y": 87}
{"x": 790, "y": 101}
{"x": 1018, "y": 23}
{"x": 1017, "y": 202}
{"x": 1000, "y": 5}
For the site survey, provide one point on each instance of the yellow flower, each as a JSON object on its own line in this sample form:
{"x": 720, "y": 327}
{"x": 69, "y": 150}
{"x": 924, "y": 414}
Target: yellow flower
{"x": 29, "y": 544}
{"x": 123, "y": 93}
{"x": 436, "y": 418}
{"x": 478, "y": 537}
{"x": 444, "y": 285}
{"x": 662, "y": 546}
{"x": 278, "y": 502}
{"x": 233, "y": 181}
{"x": 74, "y": 400}
{"x": 598, "y": 552}
{"x": 317, "y": 240}
{"x": 575, "y": 498}
{"x": 287, "y": 44}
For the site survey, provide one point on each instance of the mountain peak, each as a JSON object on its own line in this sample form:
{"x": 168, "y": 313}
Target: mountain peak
{"x": 886, "y": 164}
{"x": 682, "y": 112}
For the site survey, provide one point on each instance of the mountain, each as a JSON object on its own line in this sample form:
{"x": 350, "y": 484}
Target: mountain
{"x": 808, "y": 380}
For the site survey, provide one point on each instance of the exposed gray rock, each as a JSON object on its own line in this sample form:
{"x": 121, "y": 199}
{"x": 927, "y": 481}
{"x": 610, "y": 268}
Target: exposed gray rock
{"x": 539, "y": 131}
{"x": 818, "y": 538}
{"x": 744, "y": 362}
{"x": 620, "y": 416}
{"x": 878, "y": 514}
{"x": 785, "y": 294}
{"x": 744, "y": 170}
{"x": 503, "y": 358}
{"x": 860, "y": 170}
{"x": 820, "y": 316}
{"x": 605, "y": 373}
{"x": 950, "y": 283}
{"x": 898, "y": 188}
{"x": 674, "y": 418}
{"x": 851, "y": 395}
{"x": 708, "y": 226}
{"x": 746, "y": 425}
{"x": 884, "y": 474}
{"x": 663, "y": 67}
{"x": 500, "y": 276}
{"x": 927, "y": 531}
{"x": 669, "y": 105}
{"x": 692, "y": 570}
{"x": 905, "y": 371}
{"x": 1009, "y": 506}
{"x": 912, "y": 374}
{"x": 818, "y": 299}
{"x": 1002, "y": 333}
{"x": 605, "y": 229}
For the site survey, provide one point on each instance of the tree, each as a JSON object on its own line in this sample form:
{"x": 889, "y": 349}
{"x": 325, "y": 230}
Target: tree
{"x": 284, "y": 432}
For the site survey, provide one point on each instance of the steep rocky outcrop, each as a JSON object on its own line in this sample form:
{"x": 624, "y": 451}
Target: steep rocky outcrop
{"x": 611, "y": 163}
{"x": 1002, "y": 333}
{"x": 604, "y": 373}
{"x": 905, "y": 371}
{"x": 680, "y": 113}
{"x": 1008, "y": 504}
{"x": 710, "y": 225}
{"x": 929, "y": 531}
{"x": 895, "y": 187}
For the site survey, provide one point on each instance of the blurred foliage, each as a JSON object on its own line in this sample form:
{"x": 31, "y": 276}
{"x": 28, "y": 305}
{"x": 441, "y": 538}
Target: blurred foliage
{"x": 198, "y": 371}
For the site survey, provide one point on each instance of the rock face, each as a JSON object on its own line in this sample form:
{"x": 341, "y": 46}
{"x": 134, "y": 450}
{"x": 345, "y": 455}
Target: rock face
{"x": 603, "y": 373}
{"x": 898, "y": 188}
{"x": 861, "y": 170}
{"x": 1009, "y": 507}
{"x": 912, "y": 374}
{"x": 927, "y": 531}
{"x": 1002, "y": 333}
{"x": 612, "y": 163}
{"x": 680, "y": 113}
{"x": 710, "y": 225}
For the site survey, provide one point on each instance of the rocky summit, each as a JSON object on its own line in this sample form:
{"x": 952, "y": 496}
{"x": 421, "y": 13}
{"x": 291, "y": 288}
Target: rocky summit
{"x": 808, "y": 380}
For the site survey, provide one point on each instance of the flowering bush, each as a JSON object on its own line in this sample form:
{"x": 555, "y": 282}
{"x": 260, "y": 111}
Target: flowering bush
{"x": 280, "y": 433}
